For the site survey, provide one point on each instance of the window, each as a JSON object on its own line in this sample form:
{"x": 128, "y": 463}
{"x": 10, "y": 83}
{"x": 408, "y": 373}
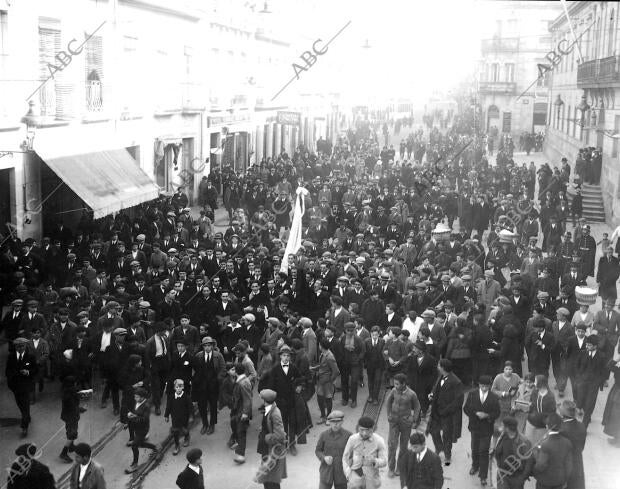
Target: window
{"x": 567, "y": 121}
{"x": 94, "y": 74}
{"x": 130, "y": 71}
{"x": 614, "y": 149}
{"x": 507, "y": 122}
{"x": 610, "y": 40}
{"x": 4, "y": 39}
{"x": 494, "y": 72}
{"x": 49, "y": 47}
{"x": 510, "y": 72}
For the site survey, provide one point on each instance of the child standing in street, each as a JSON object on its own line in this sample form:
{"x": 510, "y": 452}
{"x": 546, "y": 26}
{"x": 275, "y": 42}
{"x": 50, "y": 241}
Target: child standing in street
{"x": 179, "y": 406}
{"x": 70, "y": 414}
{"x": 138, "y": 419}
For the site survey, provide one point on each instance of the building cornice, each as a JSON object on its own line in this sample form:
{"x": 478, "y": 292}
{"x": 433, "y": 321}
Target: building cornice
{"x": 148, "y": 5}
{"x": 573, "y": 9}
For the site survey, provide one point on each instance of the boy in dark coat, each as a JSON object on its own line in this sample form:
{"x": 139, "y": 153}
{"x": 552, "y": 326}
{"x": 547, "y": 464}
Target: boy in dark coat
{"x": 192, "y": 476}
{"x": 179, "y": 407}
{"x": 420, "y": 467}
{"x": 70, "y": 414}
{"x": 139, "y": 423}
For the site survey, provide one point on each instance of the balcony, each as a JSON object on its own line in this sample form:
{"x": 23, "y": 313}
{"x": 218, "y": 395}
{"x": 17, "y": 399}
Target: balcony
{"x": 498, "y": 88}
{"x": 599, "y": 72}
{"x": 500, "y": 45}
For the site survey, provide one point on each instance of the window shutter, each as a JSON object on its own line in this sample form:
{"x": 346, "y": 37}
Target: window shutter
{"x": 94, "y": 74}
{"x": 49, "y": 46}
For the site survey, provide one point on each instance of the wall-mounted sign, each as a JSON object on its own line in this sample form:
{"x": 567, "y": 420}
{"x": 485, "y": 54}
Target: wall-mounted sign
{"x": 228, "y": 119}
{"x": 291, "y": 118}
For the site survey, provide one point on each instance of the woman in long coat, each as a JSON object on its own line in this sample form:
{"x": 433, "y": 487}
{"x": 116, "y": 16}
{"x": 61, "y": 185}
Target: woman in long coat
{"x": 611, "y": 415}
{"x": 271, "y": 444}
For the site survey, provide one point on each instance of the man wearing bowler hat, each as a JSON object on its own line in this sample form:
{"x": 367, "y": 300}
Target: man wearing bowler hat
{"x": 329, "y": 450}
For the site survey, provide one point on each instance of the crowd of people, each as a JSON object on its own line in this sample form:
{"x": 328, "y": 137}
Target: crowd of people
{"x": 421, "y": 274}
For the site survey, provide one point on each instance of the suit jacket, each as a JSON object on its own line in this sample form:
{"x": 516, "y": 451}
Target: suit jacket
{"x": 591, "y": 371}
{"x": 242, "y": 398}
{"x": 554, "y": 461}
{"x": 487, "y": 293}
{"x": 608, "y": 331}
{"x": 17, "y": 381}
{"x": 93, "y": 478}
{"x": 188, "y": 479}
{"x": 141, "y": 424}
{"x": 27, "y": 324}
{"x": 284, "y": 384}
{"x": 206, "y": 377}
{"x": 308, "y": 339}
{"x": 373, "y": 358}
{"x": 425, "y": 474}
{"x": 339, "y": 321}
{"x": 539, "y": 358}
{"x": 474, "y": 405}
{"x": 179, "y": 409}
{"x": 447, "y": 402}
{"x": 561, "y": 337}
{"x": 573, "y": 352}
{"x": 422, "y": 375}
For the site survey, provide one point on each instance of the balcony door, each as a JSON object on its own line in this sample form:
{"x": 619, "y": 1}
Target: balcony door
{"x": 492, "y": 117}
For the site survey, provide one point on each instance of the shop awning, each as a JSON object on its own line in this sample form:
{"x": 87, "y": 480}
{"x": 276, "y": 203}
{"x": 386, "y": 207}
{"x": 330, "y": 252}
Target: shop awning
{"x": 107, "y": 181}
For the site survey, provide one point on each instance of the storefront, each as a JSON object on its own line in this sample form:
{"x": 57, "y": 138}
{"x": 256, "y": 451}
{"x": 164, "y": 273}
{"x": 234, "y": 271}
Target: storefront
{"x": 231, "y": 140}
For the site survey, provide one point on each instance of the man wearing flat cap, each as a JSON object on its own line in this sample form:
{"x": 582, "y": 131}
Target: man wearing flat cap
{"x": 575, "y": 432}
{"x": 32, "y": 318}
{"x": 271, "y": 443}
{"x": 607, "y": 324}
{"x": 11, "y": 322}
{"x": 21, "y": 369}
{"x": 329, "y": 450}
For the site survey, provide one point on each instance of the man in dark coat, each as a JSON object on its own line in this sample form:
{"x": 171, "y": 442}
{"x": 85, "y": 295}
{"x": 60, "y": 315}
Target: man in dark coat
{"x": 282, "y": 379}
{"x": 209, "y": 372}
{"x": 591, "y": 373}
{"x": 419, "y": 467}
{"x": 575, "y": 432}
{"x": 421, "y": 370}
{"x": 446, "y": 401}
{"x": 539, "y": 346}
{"x": 482, "y": 408}
{"x": 375, "y": 363}
{"x": 27, "y": 472}
{"x": 192, "y": 476}
{"x": 329, "y": 450}
{"x": 607, "y": 275}
{"x": 587, "y": 250}
{"x": 554, "y": 457}
{"x": 21, "y": 369}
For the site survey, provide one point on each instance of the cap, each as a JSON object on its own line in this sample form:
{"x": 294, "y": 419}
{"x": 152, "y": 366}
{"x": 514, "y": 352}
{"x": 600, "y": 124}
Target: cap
{"x": 268, "y": 395}
{"x": 17, "y": 302}
{"x": 429, "y": 313}
{"x": 420, "y": 345}
{"x": 489, "y": 273}
{"x": 249, "y": 317}
{"x": 144, "y": 304}
{"x": 285, "y": 349}
{"x": 563, "y": 311}
{"x": 20, "y": 341}
{"x": 335, "y": 416}
{"x": 542, "y": 295}
{"x": 207, "y": 340}
{"x": 32, "y": 302}
{"x": 240, "y": 348}
{"x": 466, "y": 277}
{"x": 349, "y": 326}
{"x": 120, "y": 331}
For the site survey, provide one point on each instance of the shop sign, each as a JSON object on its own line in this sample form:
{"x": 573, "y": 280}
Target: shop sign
{"x": 228, "y": 119}
{"x": 291, "y": 118}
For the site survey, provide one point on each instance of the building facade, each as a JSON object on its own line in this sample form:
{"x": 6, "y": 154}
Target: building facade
{"x": 583, "y": 110}
{"x": 509, "y": 95}
{"x": 132, "y": 98}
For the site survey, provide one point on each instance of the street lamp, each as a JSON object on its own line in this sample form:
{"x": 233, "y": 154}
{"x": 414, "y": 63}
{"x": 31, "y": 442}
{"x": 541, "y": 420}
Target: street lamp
{"x": 558, "y": 103}
{"x": 32, "y": 120}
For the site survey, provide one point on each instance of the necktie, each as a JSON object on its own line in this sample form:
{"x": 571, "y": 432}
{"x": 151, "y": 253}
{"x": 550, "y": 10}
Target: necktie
{"x": 609, "y": 316}
{"x": 163, "y": 345}
{"x": 19, "y": 357}
{"x": 419, "y": 457}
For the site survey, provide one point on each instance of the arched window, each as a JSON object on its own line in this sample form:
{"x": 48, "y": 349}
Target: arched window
{"x": 94, "y": 99}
